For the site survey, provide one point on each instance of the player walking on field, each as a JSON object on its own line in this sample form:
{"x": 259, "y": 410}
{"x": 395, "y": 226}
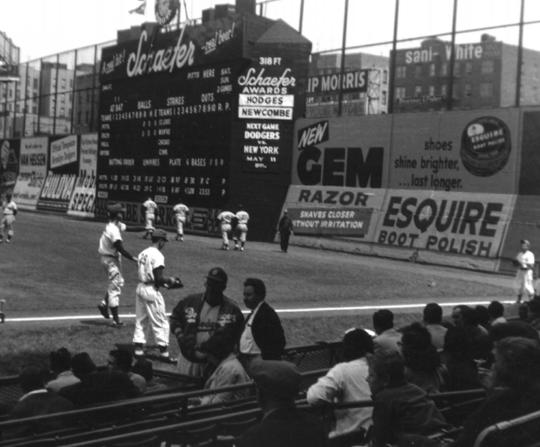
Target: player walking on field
{"x": 241, "y": 228}
{"x": 150, "y": 208}
{"x": 150, "y": 305}
{"x": 225, "y": 218}
{"x": 9, "y": 210}
{"x": 180, "y": 213}
{"x": 525, "y": 266}
{"x": 110, "y": 249}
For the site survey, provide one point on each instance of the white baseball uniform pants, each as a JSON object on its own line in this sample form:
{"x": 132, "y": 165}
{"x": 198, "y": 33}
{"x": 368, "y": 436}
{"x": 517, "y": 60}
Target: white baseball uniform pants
{"x": 524, "y": 283}
{"x": 225, "y": 230}
{"x": 180, "y": 221}
{"x": 116, "y": 280}
{"x": 7, "y": 225}
{"x": 149, "y": 222}
{"x": 150, "y": 315}
{"x": 242, "y": 231}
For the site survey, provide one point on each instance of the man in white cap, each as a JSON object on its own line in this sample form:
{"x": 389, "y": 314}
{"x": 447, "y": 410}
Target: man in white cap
{"x": 525, "y": 266}
{"x": 150, "y": 305}
{"x": 110, "y": 248}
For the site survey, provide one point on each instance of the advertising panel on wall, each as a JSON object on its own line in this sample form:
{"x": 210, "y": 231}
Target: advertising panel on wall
{"x": 265, "y": 109}
{"x": 83, "y": 198}
{"x": 447, "y": 222}
{"x": 9, "y": 164}
{"x": 334, "y": 211}
{"x": 463, "y": 151}
{"x": 32, "y": 171}
{"x": 347, "y": 152}
{"x": 63, "y": 163}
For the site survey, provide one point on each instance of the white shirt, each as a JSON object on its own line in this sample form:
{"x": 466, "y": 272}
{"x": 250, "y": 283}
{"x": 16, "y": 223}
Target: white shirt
{"x": 247, "y": 342}
{"x": 150, "y": 206}
{"x": 225, "y": 217}
{"x": 525, "y": 257}
{"x": 148, "y": 260}
{"x": 111, "y": 234}
{"x": 180, "y": 210}
{"x": 10, "y": 208}
{"x": 345, "y": 382}
{"x": 243, "y": 217}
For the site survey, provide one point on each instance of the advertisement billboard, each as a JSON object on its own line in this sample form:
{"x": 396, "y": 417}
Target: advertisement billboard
{"x": 82, "y": 201}
{"x": 33, "y": 165}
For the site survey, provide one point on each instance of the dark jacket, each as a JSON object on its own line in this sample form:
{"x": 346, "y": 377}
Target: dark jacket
{"x": 185, "y": 319}
{"x": 287, "y": 427}
{"x": 285, "y": 224}
{"x": 268, "y": 332}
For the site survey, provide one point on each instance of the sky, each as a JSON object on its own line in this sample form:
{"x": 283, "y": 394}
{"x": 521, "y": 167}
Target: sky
{"x": 45, "y": 27}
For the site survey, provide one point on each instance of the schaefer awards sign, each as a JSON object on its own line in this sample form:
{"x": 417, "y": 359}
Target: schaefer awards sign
{"x": 82, "y": 201}
{"x": 32, "y": 172}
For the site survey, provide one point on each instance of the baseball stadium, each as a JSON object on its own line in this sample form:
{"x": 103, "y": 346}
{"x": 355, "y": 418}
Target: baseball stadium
{"x": 224, "y": 231}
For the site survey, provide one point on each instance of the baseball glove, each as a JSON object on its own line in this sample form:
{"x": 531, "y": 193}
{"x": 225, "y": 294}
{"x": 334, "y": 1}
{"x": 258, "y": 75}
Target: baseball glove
{"x": 175, "y": 282}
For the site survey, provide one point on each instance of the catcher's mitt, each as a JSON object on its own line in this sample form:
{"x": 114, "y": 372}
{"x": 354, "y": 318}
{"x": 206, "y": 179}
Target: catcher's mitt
{"x": 174, "y": 283}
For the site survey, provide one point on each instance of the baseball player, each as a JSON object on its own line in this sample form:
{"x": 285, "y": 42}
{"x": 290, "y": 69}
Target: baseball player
{"x": 524, "y": 277}
{"x": 180, "y": 212}
{"x": 149, "y": 305}
{"x": 225, "y": 218}
{"x": 9, "y": 209}
{"x": 110, "y": 249}
{"x": 241, "y": 228}
{"x": 150, "y": 208}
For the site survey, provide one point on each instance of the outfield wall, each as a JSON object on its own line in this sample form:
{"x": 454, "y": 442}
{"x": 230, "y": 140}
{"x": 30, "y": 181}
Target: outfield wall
{"x": 455, "y": 188}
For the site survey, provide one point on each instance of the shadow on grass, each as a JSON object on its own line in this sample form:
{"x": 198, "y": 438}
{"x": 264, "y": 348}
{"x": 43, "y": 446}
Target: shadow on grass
{"x": 96, "y": 322}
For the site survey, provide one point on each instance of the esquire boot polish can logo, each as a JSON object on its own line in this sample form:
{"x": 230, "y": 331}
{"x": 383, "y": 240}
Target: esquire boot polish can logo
{"x": 485, "y": 146}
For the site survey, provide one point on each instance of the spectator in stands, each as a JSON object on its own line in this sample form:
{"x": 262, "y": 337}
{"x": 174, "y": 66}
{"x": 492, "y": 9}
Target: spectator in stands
{"x": 461, "y": 369}
{"x": 122, "y": 361}
{"x": 401, "y": 410}
{"x": 96, "y": 386}
{"x": 465, "y": 317}
{"x": 534, "y": 312}
{"x": 496, "y": 313}
{"x": 422, "y": 362}
{"x": 433, "y": 322}
{"x": 228, "y": 370}
{"x": 36, "y": 401}
{"x": 388, "y": 339}
{"x": 145, "y": 369}
{"x": 60, "y": 363}
{"x": 517, "y": 372}
{"x": 347, "y": 382}
{"x": 513, "y": 329}
{"x": 282, "y": 424}
{"x": 482, "y": 316}
{"x": 196, "y": 318}
{"x": 263, "y": 334}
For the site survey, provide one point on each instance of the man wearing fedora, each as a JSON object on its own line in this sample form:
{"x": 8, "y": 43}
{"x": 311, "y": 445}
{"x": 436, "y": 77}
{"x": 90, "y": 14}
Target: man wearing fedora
{"x": 199, "y": 317}
{"x": 150, "y": 305}
{"x": 110, "y": 248}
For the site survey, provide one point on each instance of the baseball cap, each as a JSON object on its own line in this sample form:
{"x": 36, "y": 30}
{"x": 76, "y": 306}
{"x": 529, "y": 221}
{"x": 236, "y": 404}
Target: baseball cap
{"x": 277, "y": 378}
{"x": 525, "y": 241}
{"x": 217, "y": 274}
{"x": 159, "y": 234}
{"x": 116, "y": 208}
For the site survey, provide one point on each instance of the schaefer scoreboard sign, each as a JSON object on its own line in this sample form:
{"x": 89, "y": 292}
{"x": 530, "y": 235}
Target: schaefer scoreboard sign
{"x": 166, "y": 110}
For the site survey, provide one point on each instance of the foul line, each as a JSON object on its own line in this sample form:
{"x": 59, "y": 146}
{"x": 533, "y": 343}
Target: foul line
{"x": 282, "y": 311}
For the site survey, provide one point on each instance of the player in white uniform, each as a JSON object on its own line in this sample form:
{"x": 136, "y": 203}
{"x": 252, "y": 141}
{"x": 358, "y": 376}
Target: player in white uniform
{"x": 525, "y": 267}
{"x": 241, "y": 228}
{"x": 150, "y": 208}
{"x": 225, "y": 218}
{"x": 9, "y": 209}
{"x": 180, "y": 212}
{"x": 150, "y": 305}
{"x": 110, "y": 249}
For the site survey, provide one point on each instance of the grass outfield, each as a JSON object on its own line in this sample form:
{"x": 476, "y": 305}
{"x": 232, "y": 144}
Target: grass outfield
{"x": 52, "y": 268}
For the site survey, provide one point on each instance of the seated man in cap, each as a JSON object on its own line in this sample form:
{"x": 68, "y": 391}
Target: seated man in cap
{"x": 110, "y": 248}
{"x": 524, "y": 276}
{"x": 150, "y": 311}
{"x": 282, "y": 424}
{"x": 195, "y": 319}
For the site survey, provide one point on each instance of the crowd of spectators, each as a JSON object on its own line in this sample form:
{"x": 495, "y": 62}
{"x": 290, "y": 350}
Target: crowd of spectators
{"x": 396, "y": 371}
